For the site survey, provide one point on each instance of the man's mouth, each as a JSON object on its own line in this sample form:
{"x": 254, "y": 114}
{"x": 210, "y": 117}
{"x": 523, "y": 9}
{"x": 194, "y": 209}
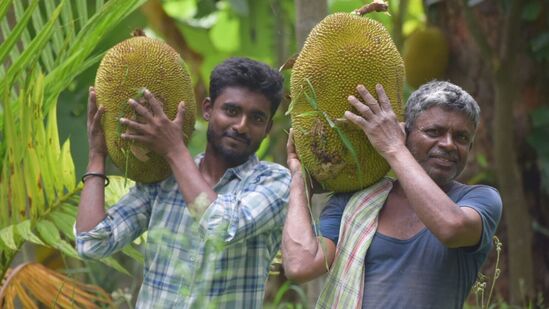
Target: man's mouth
{"x": 239, "y": 139}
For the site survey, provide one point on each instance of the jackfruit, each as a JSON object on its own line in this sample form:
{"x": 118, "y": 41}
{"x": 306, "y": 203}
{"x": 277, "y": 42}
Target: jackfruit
{"x": 342, "y": 51}
{"x": 128, "y": 67}
{"x": 425, "y": 56}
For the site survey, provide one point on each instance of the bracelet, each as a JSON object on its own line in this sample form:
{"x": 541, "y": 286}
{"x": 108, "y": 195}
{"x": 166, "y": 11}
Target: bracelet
{"x": 107, "y": 181}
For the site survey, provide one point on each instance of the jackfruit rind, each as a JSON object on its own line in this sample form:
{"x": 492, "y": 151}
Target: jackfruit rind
{"x": 128, "y": 67}
{"x": 425, "y": 56}
{"x": 342, "y": 51}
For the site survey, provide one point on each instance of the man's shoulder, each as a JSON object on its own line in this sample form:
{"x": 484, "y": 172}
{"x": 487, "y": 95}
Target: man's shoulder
{"x": 462, "y": 189}
{"x": 271, "y": 167}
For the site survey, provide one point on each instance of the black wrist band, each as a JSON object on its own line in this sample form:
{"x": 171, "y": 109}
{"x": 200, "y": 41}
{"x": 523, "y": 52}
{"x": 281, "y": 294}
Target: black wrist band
{"x": 107, "y": 181}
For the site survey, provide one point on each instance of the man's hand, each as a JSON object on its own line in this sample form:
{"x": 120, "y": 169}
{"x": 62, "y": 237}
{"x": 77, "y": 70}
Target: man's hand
{"x": 294, "y": 165}
{"x": 157, "y": 131}
{"x": 378, "y": 121}
{"x": 96, "y": 138}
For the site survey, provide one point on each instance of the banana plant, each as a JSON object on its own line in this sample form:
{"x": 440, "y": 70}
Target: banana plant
{"x": 44, "y": 45}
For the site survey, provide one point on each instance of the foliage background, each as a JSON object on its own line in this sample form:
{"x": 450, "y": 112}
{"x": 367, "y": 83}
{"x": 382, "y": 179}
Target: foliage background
{"x": 207, "y": 31}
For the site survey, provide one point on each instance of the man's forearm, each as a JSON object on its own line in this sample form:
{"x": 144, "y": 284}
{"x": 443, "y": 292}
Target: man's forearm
{"x": 91, "y": 209}
{"x": 196, "y": 191}
{"x": 302, "y": 254}
{"x": 448, "y": 221}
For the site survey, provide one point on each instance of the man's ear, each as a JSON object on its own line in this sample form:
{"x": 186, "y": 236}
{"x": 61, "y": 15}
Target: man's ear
{"x": 207, "y": 107}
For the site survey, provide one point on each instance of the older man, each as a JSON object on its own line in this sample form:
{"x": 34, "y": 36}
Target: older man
{"x": 414, "y": 242}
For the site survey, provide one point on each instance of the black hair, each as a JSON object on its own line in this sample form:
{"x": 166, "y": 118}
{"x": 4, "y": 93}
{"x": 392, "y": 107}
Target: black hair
{"x": 253, "y": 75}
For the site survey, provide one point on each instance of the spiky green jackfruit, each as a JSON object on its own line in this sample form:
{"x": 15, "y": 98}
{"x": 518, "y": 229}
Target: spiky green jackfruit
{"x": 342, "y": 51}
{"x": 128, "y": 67}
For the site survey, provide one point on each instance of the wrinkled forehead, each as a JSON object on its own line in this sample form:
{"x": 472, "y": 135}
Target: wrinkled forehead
{"x": 440, "y": 116}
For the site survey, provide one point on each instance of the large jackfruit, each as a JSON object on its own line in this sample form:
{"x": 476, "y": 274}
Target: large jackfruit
{"x": 425, "y": 56}
{"x": 342, "y": 51}
{"x": 128, "y": 67}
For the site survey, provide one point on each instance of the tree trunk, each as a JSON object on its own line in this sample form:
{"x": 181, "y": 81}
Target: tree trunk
{"x": 483, "y": 48}
{"x": 308, "y": 14}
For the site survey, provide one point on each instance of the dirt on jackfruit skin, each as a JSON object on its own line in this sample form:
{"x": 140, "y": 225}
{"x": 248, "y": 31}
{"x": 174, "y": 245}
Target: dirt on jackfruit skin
{"x": 128, "y": 67}
{"x": 425, "y": 56}
{"x": 342, "y": 51}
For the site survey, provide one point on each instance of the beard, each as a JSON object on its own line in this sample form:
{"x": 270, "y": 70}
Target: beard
{"x": 233, "y": 157}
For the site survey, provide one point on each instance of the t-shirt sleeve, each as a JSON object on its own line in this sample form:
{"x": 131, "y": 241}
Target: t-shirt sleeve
{"x": 487, "y": 202}
{"x": 330, "y": 217}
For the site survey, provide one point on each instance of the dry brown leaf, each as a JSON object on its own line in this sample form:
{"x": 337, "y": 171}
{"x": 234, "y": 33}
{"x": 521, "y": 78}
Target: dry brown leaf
{"x": 32, "y": 284}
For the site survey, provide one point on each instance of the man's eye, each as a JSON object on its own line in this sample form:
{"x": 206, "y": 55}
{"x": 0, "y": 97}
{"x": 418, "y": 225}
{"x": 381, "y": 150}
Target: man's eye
{"x": 231, "y": 111}
{"x": 259, "y": 119}
{"x": 432, "y": 132}
{"x": 464, "y": 139}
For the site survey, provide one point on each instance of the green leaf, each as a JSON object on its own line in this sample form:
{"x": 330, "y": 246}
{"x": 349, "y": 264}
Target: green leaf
{"x": 64, "y": 222}
{"x": 346, "y": 142}
{"x": 311, "y": 99}
{"x": 110, "y": 261}
{"x": 67, "y": 167}
{"x": 225, "y": 34}
{"x": 25, "y": 230}
{"x": 130, "y": 251}
{"x": 50, "y": 234}
{"x": 531, "y": 10}
{"x": 32, "y": 51}
{"x": 21, "y": 25}
{"x": 7, "y": 236}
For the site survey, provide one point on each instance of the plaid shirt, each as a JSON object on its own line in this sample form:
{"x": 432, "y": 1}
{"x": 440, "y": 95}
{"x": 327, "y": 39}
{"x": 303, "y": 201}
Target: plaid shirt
{"x": 220, "y": 260}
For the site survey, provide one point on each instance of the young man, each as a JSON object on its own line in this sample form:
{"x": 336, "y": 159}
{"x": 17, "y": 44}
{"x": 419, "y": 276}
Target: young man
{"x": 215, "y": 225}
{"x": 415, "y": 242}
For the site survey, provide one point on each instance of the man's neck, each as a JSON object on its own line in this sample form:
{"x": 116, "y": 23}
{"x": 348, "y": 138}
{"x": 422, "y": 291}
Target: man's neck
{"x": 213, "y": 166}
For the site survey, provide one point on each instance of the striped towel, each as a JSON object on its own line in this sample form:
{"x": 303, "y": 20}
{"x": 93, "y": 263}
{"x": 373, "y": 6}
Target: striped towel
{"x": 345, "y": 283}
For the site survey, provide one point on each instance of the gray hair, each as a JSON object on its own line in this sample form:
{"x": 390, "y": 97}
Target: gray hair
{"x": 445, "y": 95}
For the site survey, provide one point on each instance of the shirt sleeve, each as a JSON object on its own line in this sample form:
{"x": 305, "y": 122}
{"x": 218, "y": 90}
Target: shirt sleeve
{"x": 487, "y": 202}
{"x": 124, "y": 222}
{"x": 330, "y": 217}
{"x": 259, "y": 207}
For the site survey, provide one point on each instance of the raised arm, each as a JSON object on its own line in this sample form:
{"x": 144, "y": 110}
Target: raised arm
{"x": 164, "y": 137}
{"x": 453, "y": 225}
{"x": 92, "y": 199}
{"x": 305, "y": 256}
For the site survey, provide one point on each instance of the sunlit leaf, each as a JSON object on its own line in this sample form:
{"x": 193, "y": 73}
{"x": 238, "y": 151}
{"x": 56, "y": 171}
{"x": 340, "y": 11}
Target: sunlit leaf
{"x": 25, "y": 230}
{"x": 225, "y": 33}
{"x": 67, "y": 166}
{"x": 110, "y": 261}
{"x": 7, "y": 236}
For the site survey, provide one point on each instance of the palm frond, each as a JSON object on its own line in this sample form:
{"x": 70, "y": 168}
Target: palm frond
{"x": 45, "y": 45}
{"x": 33, "y": 284}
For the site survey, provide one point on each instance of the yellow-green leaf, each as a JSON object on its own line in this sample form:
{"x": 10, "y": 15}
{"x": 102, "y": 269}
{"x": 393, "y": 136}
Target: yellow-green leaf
{"x": 67, "y": 166}
{"x": 25, "y": 230}
{"x": 6, "y": 234}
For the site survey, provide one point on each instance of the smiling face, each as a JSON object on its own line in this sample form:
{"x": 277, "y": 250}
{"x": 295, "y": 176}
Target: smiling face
{"x": 440, "y": 140}
{"x": 239, "y": 119}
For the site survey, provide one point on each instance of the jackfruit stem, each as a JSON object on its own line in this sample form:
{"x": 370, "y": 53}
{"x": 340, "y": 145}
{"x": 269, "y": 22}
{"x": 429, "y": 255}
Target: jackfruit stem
{"x": 138, "y": 32}
{"x": 376, "y": 5}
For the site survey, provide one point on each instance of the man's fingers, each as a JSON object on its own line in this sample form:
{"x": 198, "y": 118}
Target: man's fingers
{"x": 98, "y": 115}
{"x": 133, "y": 125}
{"x": 92, "y": 105}
{"x": 180, "y": 114}
{"x": 363, "y": 109}
{"x": 368, "y": 99}
{"x": 140, "y": 109}
{"x": 134, "y": 137}
{"x": 290, "y": 143}
{"x": 384, "y": 101}
{"x": 154, "y": 103}
{"x": 357, "y": 120}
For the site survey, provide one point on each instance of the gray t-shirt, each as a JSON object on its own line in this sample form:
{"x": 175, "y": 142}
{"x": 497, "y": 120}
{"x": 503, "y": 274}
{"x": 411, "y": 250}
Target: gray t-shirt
{"x": 421, "y": 272}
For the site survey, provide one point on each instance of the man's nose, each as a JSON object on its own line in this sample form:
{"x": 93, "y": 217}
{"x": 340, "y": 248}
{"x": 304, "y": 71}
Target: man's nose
{"x": 241, "y": 125}
{"x": 447, "y": 141}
